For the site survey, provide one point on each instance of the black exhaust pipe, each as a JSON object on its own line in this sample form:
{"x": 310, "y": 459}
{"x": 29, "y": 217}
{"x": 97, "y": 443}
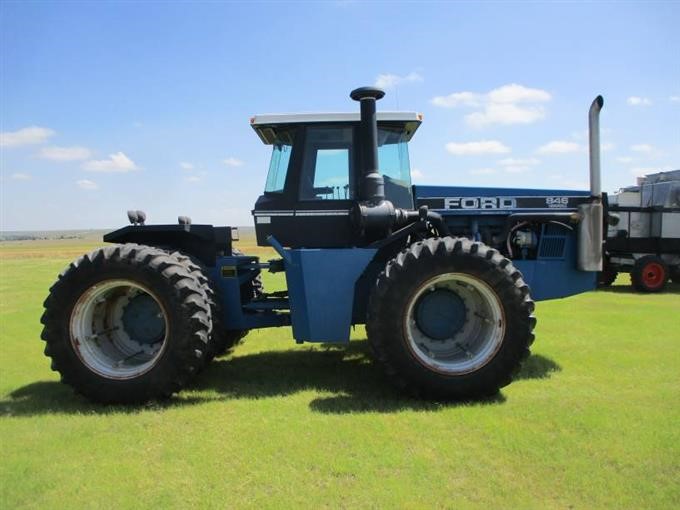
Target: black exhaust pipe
{"x": 373, "y": 215}
{"x": 372, "y": 187}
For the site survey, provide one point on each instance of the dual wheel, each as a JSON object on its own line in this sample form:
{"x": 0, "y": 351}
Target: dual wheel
{"x": 131, "y": 323}
{"x": 450, "y": 318}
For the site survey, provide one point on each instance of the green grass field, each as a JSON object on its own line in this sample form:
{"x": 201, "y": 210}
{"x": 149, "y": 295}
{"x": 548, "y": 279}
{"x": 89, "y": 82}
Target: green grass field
{"x": 593, "y": 420}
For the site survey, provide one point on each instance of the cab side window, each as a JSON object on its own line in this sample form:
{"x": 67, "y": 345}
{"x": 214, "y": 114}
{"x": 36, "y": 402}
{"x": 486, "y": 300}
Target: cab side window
{"x": 327, "y": 163}
{"x": 278, "y": 168}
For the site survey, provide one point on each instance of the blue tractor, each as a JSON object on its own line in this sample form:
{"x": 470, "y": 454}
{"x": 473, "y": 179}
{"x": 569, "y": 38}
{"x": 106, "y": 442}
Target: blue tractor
{"x": 444, "y": 278}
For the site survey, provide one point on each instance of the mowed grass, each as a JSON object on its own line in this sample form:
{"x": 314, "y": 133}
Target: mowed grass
{"x": 592, "y": 421}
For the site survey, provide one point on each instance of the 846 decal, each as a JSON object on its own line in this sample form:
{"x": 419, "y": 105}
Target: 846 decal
{"x": 557, "y": 202}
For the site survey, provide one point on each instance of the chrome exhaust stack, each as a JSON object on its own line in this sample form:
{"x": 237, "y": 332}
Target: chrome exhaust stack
{"x": 594, "y": 143}
{"x": 591, "y": 226}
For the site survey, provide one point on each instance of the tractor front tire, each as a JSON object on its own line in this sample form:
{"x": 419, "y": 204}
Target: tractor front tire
{"x": 450, "y": 318}
{"x": 649, "y": 274}
{"x": 126, "y": 324}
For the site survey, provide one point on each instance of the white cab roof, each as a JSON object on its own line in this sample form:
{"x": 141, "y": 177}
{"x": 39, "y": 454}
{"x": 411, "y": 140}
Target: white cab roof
{"x": 263, "y": 124}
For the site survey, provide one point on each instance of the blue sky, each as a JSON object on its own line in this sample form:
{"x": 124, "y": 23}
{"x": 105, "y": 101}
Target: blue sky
{"x": 108, "y": 106}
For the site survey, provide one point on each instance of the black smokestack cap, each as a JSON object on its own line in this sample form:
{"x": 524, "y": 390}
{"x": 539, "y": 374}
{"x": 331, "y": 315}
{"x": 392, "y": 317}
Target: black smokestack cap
{"x": 367, "y": 92}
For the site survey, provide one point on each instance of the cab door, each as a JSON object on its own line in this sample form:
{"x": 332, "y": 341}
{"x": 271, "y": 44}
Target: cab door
{"x": 313, "y": 210}
{"x": 326, "y": 190}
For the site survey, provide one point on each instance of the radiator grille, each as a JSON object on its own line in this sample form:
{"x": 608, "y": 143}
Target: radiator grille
{"x": 553, "y": 241}
{"x": 552, "y": 247}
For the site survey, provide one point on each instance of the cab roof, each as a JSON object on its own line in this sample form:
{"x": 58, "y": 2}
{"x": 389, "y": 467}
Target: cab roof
{"x": 265, "y": 125}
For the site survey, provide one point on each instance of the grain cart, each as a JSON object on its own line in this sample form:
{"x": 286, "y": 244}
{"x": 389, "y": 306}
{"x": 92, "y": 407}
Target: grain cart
{"x": 445, "y": 278}
{"x": 645, "y": 241}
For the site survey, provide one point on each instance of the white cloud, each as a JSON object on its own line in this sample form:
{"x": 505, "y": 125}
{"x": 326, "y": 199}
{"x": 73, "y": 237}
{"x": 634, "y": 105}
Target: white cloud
{"x": 638, "y": 101}
{"x": 607, "y": 146}
{"x": 624, "y": 159}
{"x": 117, "y": 162}
{"x": 641, "y": 147}
{"x": 509, "y": 104}
{"x": 193, "y": 178}
{"x": 20, "y": 176}
{"x": 389, "y": 81}
{"x": 417, "y": 174}
{"x": 505, "y": 113}
{"x": 87, "y": 184}
{"x": 26, "y": 136}
{"x": 457, "y": 99}
{"x": 232, "y": 162}
{"x": 514, "y": 93}
{"x": 482, "y": 171}
{"x": 64, "y": 153}
{"x": 186, "y": 166}
{"x": 674, "y": 99}
{"x": 558, "y": 147}
{"x": 476, "y": 148}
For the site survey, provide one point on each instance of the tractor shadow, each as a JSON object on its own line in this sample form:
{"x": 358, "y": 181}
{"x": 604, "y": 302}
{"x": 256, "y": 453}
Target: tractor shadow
{"x": 347, "y": 373}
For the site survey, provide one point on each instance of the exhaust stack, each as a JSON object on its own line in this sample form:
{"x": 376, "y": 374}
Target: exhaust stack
{"x": 594, "y": 142}
{"x": 372, "y": 215}
{"x": 591, "y": 227}
{"x": 372, "y": 187}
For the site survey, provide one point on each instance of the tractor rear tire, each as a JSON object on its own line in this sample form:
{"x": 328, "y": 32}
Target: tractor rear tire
{"x": 649, "y": 274}
{"x": 197, "y": 269}
{"x": 222, "y": 340}
{"x": 450, "y": 318}
{"x": 126, "y": 324}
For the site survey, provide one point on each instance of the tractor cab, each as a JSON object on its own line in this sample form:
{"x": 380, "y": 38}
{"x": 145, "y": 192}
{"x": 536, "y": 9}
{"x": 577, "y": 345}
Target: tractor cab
{"x": 315, "y": 175}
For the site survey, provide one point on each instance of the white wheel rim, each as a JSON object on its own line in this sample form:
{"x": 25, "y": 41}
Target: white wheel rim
{"x": 99, "y": 336}
{"x": 477, "y": 340}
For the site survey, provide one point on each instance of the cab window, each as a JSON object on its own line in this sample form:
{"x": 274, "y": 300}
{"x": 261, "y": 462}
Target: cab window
{"x": 278, "y": 166}
{"x": 395, "y": 166}
{"x": 327, "y": 163}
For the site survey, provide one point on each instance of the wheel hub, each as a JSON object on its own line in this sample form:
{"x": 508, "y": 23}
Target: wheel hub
{"x": 454, "y": 323}
{"x": 143, "y": 320}
{"x": 440, "y": 314}
{"x": 118, "y": 329}
{"x": 652, "y": 274}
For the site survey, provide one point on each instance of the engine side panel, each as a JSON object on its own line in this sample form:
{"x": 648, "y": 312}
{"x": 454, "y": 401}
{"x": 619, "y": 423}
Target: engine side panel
{"x": 465, "y": 201}
{"x": 544, "y": 250}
